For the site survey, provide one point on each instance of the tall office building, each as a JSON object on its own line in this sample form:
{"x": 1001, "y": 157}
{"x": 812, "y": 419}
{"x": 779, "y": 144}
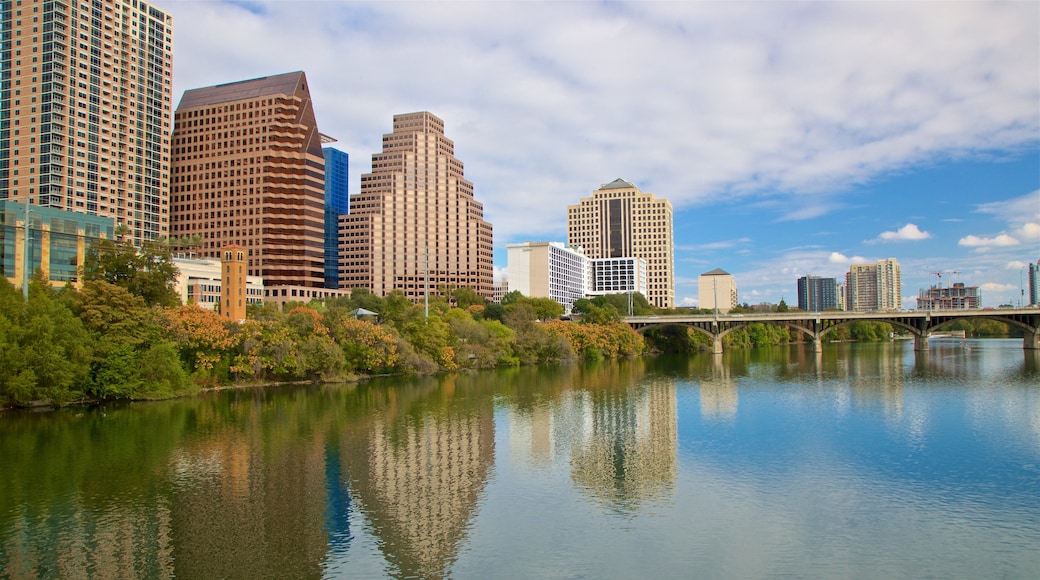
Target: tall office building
{"x": 875, "y": 286}
{"x": 337, "y": 204}
{"x": 248, "y": 170}
{"x": 717, "y": 289}
{"x": 85, "y": 98}
{"x": 549, "y": 270}
{"x": 620, "y": 221}
{"x": 415, "y": 223}
{"x": 816, "y": 294}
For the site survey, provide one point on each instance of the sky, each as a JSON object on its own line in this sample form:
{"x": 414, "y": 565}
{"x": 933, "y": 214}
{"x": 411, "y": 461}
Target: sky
{"x": 792, "y": 139}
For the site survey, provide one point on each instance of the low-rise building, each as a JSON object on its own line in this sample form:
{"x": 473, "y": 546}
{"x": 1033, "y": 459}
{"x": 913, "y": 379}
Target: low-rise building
{"x": 955, "y": 297}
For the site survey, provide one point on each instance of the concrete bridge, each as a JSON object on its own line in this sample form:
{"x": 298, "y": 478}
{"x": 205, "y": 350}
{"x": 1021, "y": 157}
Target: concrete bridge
{"x": 919, "y": 323}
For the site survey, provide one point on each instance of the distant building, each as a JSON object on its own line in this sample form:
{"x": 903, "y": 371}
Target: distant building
{"x": 870, "y": 287}
{"x": 499, "y": 290}
{"x": 337, "y": 204}
{"x": 620, "y": 221}
{"x": 85, "y": 105}
{"x": 58, "y": 241}
{"x": 248, "y": 169}
{"x": 548, "y": 270}
{"x": 1034, "y": 284}
{"x": 717, "y": 289}
{"x": 416, "y": 218}
{"x": 816, "y": 294}
{"x": 618, "y": 276}
{"x": 200, "y": 281}
{"x": 956, "y": 297}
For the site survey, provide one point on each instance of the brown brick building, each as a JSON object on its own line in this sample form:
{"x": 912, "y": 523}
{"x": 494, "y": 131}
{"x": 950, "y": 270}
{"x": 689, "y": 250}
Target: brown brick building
{"x": 416, "y": 214}
{"x": 248, "y": 170}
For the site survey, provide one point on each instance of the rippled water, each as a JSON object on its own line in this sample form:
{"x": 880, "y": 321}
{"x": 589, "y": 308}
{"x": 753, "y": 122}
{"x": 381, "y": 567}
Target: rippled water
{"x": 866, "y": 461}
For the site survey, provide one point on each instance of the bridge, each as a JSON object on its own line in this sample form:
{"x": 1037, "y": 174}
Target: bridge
{"x": 919, "y": 323}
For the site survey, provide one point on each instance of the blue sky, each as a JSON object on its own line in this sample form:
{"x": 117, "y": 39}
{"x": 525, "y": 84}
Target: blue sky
{"x": 791, "y": 138}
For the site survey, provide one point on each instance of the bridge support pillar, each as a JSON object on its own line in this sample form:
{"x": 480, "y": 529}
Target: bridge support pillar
{"x": 1031, "y": 341}
{"x": 817, "y": 345}
{"x": 921, "y": 342}
{"x": 716, "y": 345}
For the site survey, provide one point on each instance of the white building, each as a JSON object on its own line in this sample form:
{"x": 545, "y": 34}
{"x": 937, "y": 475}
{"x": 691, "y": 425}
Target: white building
{"x": 548, "y": 270}
{"x": 198, "y": 281}
{"x": 618, "y": 276}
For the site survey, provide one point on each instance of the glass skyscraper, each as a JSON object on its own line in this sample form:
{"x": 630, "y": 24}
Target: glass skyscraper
{"x": 337, "y": 203}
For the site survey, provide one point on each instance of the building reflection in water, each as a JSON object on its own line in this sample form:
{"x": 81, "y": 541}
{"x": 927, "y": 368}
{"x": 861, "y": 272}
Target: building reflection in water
{"x": 417, "y": 470}
{"x": 718, "y": 391}
{"x": 622, "y": 439}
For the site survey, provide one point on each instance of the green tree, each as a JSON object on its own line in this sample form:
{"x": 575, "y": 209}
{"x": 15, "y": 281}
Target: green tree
{"x": 148, "y": 272}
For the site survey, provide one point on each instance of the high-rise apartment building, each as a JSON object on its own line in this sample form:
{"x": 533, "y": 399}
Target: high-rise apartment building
{"x": 816, "y": 294}
{"x": 549, "y": 270}
{"x": 248, "y": 170}
{"x": 337, "y": 204}
{"x": 875, "y": 286}
{"x": 85, "y": 97}
{"x": 416, "y": 225}
{"x": 717, "y": 290}
{"x": 620, "y": 221}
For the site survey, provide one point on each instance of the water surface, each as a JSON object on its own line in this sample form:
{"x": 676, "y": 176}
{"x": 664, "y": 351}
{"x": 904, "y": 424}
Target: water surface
{"x": 866, "y": 461}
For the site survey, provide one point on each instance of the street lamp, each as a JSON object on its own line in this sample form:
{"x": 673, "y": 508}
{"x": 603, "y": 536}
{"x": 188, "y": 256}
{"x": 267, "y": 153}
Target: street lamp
{"x": 26, "y": 253}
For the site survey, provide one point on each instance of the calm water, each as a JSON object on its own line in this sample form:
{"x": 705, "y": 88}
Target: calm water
{"x": 868, "y": 461}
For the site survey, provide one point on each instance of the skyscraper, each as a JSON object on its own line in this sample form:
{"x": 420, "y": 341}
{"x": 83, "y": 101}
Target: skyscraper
{"x": 85, "y": 98}
{"x": 416, "y": 221}
{"x": 620, "y": 221}
{"x": 875, "y": 286}
{"x": 816, "y": 294}
{"x": 248, "y": 170}
{"x": 337, "y": 204}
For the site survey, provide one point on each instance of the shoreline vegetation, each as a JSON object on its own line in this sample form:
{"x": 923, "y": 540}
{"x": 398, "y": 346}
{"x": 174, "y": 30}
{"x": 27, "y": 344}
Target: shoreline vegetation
{"x": 125, "y": 336}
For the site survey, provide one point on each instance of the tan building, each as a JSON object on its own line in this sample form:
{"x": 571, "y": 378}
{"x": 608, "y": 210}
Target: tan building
{"x": 717, "y": 288}
{"x": 85, "y": 104}
{"x": 620, "y": 221}
{"x": 248, "y": 170}
{"x": 870, "y": 287}
{"x": 416, "y": 221}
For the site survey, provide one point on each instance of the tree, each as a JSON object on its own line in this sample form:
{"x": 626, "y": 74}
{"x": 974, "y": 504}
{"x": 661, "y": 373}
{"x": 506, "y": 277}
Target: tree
{"x": 148, "y": 272}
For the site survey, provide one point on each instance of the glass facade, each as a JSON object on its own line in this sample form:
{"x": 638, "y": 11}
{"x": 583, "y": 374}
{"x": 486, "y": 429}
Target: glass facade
{"x": 57, "y": 236}
{"x": 337, "y": 203}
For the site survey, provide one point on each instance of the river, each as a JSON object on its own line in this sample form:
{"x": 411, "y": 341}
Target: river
{"x": 865, "y": 461}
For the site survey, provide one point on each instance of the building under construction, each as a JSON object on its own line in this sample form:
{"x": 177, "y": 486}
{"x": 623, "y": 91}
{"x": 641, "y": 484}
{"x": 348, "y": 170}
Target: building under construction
{"x": 955, "y": 297}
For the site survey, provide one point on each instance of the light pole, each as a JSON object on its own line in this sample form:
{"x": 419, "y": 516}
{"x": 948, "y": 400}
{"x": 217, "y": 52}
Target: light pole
{"x": 26, "y": 253}
{"x": 1021, "y": 287}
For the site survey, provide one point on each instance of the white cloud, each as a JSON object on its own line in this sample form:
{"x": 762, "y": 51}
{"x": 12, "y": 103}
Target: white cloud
{"x": 905, "y": 233}
{"x": 998, "y": 287}
{"x": 1030, "y": 231}
{"x": 839, "y": 258}
{"x": 1015, "y": 265}
{"x": 973, "y": 241}
{"x": 697, "y": 102}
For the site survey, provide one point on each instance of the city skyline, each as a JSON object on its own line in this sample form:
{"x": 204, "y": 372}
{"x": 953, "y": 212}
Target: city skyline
{"x": 851, "y": 133}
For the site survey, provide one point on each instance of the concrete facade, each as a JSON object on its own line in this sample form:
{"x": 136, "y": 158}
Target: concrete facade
{"x": 549, "y": 270}
{"x": 86, "y": 98}
{"x": 618, "y": 276}
{"x": 620, "y": 221}
{"x": 717, "y": 289}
